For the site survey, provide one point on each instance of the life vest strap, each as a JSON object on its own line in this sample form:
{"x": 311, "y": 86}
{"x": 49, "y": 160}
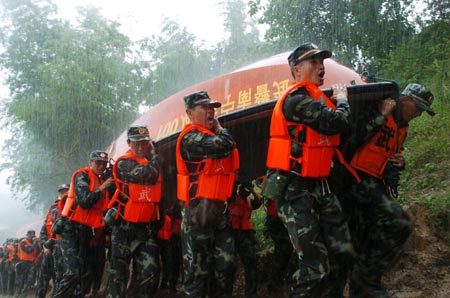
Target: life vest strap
{"x": 347, "y": 166}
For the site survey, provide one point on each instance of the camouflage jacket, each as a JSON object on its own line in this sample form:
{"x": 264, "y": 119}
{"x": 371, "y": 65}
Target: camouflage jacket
{"x": 129, "y": 171}
{"x": 83, "y": 196}
{"x": 299, "y": 107}
{"x": 196, "y": 145}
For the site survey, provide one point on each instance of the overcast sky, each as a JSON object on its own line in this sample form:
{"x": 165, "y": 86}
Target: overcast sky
{"x": 142, "y": 18}
{"x": 139, "y": 18}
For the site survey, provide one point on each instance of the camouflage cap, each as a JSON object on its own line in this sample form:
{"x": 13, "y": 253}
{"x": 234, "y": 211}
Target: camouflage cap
{"x": 63, "y": 187}
{"x": 31, "y": 233}
{"x": 199, "y": 98}
{"x": 98, "y": 155}
{"x": 421, "y": 96}
{"x": 306, "y": 51}
{"x": 138, "y": 133}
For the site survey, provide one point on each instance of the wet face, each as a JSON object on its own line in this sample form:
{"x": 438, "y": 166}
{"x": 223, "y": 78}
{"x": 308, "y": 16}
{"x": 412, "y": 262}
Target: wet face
{"x": 311, "y": 70}
{"x": 409, "y": 109}
{"x": 140, "y": 148}
{"x": 97, "y": 166}
{"x": 202, "y": 115}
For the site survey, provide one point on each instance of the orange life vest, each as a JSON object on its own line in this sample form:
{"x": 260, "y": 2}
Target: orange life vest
{"x": 166, "y": 231}
{"x": 24, "y": 256}
{"x": 10, "y": 251}
{"x": 317, "y": 150}
{"x": 61, "y": 204}
{"x": 49, "y": 221}
{"x": 3, "y": 250}
{"x": 214, "y": 178}
{"x": 373, "y": 156}
{"x": 240, "y": 214}
{"x": 92, "y": 217}
{"x": 143, "y": 200}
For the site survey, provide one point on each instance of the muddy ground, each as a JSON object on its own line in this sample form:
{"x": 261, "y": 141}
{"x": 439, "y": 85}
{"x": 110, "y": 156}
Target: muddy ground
{"x": 423, "y": 271}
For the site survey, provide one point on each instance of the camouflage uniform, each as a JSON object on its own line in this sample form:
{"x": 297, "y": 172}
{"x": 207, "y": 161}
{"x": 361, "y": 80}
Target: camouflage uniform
{"x": 58, "y": 266}
{"x": 282, "y": 249}
{"x": 380, "y": 227}
{"x": 378, "y": 223}
{"x": 74, "y": 243}
{"x": 46, "y": 268}
{"x": 135, "y": 241}
{"x": 26, "y": 269}
{"x": 311, "y": 213}
{"x": 44, "y": 275}
{"x": 208, "y": 251}
{"x": 2, "y": 269}
{"x": 55, "y": 272}
{"x": 9, "y": 267}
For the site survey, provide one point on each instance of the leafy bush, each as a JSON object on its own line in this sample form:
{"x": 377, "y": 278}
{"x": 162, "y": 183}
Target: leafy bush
{"x": 426, "y": 177}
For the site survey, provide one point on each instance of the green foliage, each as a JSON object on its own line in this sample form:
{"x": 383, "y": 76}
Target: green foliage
{"x": 173, "y": 62}
{"x": 242, "y": 44}
{"x": 426, "y": 177}
{"x": 72, "y": 91}
{"x": 358, "y": 32}
{"x": 379, "y": 36}
{"x": 439, "y": 10}
{"x": 293, "y": 22}
{"x": 76, "y": 88}
{"x": 258, "y": 219}
{"x": 426, "y": 59}
{"x": 439, "y": 207}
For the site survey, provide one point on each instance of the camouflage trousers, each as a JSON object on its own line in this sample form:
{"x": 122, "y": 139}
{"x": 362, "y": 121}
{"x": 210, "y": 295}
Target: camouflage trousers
{"x": 10, "y": 278}
{"x": 3, "y": 277}
{"x": 58, "y": 266}
{"x": 51, "y": 268}
{"x": 320, "y": 236}
{"x": 379, "y": 228}
{"x": 282, "y": 251}
{"x": 74, "y": 244}
{"x": 45, "y": 274}
{"x": 135, "y": 244}
{"x": 208, "y": 250}
{"x": 25, "y": 277}
{"x": 245, "y": 247}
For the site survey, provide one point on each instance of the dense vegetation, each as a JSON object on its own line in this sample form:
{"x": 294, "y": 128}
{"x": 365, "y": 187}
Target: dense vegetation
{"x": 75, "y": 87}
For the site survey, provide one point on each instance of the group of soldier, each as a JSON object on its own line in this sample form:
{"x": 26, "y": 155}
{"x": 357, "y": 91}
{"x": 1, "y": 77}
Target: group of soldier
{"x": 327, "y": 203}
{"x": 19, "y": 259}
